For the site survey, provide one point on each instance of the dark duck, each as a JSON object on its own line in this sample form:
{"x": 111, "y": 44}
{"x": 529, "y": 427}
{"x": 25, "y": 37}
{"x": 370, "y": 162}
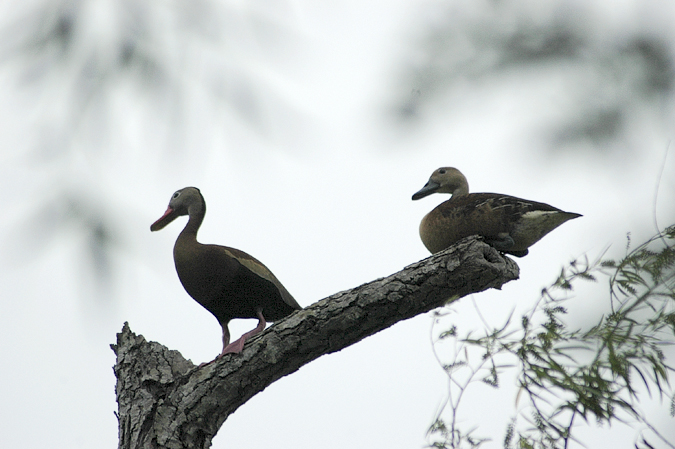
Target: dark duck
{"x": 227, "y": 282}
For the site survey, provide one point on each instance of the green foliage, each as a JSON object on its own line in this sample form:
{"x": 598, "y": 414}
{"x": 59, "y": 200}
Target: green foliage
{"x": 566, "y": 375}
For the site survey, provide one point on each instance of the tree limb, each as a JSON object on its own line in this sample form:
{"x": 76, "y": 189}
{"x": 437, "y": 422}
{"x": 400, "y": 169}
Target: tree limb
{"x": 166, "y": 402}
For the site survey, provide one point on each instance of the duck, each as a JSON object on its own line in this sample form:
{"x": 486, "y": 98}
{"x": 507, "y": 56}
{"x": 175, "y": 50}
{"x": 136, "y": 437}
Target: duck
{"x": 509, "y": 224}
{"x": 227, "y": 282}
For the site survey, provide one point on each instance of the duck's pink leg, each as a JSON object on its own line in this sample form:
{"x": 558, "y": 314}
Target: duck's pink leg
{"x": 238, "y": 345}
{"x": 226, "y": 341}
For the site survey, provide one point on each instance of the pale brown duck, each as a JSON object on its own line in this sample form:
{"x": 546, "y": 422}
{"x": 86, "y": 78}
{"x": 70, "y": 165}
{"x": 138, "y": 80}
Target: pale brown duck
{"x": 509, "y": 224}
{"x": 228, "y": 282}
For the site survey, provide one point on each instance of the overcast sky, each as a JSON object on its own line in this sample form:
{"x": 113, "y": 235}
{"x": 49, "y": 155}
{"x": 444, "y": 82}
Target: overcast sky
{"x": 307, "y": 126}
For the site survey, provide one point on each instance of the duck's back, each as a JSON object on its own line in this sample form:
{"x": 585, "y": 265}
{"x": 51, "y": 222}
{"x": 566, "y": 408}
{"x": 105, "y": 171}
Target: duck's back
{"x": 490, "y": 215}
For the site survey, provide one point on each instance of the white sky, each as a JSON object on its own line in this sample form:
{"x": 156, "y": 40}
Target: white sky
{"x": 323, "y": 199}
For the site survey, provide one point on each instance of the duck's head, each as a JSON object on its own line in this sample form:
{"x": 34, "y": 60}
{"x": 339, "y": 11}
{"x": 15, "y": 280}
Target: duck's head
{"x": 444, "y": 180}
{"x": 181, "y": 203}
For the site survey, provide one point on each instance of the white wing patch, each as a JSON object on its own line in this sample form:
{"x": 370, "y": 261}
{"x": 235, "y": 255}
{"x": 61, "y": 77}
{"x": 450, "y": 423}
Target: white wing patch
{"x": 533, "y": 225}
{"x": 539, "y": 214}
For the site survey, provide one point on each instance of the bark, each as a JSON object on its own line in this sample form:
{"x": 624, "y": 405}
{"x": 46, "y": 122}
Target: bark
{"x": 167, "y": 402}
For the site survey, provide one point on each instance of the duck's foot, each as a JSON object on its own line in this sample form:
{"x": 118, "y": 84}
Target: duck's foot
{"x": 502, "y": 242}
{"x": 518, "y": 253}
{"x": 238, "y": 346}
{"x": 235, "y": 347}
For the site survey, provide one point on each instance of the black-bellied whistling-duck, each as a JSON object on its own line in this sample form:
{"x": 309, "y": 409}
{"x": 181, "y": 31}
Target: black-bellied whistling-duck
{"x": 227, "y": 282}
{"x": 509, "y": 224}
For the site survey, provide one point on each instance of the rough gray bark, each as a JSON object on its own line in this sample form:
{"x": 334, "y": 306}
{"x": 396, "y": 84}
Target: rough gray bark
{"x": 166, "y": 402}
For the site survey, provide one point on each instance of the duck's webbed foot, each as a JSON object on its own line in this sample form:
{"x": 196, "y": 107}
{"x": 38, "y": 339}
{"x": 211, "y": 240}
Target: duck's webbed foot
{"x": 502, "y": 242}
{"x": 238, "y": 345}
{"x": 518, "y": 253}
{"x": 226, "y": 341}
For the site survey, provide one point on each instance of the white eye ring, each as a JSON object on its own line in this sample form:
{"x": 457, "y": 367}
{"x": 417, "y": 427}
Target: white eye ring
{"x": 175, "y": 195}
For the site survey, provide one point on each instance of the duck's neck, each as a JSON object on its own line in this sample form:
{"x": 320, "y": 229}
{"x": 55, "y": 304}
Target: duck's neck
{"x": 461, "y": 191}
{"x": 196, "y": 213}
{"x": 458, "y": 186}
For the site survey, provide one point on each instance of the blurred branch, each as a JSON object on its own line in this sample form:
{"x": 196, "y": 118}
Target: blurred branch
{"x": 607, "y": 76}
{"x": 96, "y": 82}
{"x": 164, "y": 401}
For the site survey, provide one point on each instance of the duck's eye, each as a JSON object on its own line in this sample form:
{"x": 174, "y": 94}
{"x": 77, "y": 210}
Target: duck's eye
{"x": 175, "y": 195}
{"x": 441, "y": 171}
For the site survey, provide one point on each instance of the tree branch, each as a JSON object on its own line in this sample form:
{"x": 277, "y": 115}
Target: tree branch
{"x": 165, "y": 401}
